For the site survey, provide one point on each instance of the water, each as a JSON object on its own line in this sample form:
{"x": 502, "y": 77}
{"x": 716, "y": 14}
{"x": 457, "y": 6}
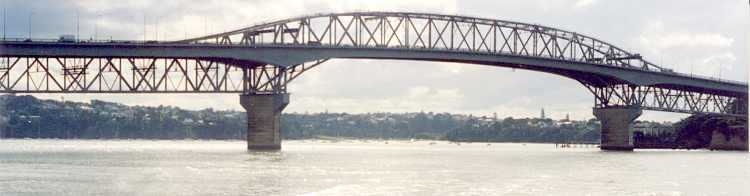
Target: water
{"x": 74, "y": 167}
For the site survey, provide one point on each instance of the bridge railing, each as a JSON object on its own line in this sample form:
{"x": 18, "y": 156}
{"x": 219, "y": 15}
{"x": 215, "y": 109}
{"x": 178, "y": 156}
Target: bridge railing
{"x": 108, "y": 41}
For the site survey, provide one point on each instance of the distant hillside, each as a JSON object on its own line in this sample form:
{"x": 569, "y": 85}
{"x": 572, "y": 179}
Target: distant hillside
{"x": 28, "y": 117}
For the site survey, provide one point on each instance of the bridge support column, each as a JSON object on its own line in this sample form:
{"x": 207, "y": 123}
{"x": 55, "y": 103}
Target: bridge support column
{"x": 617, "y": 127}
{"x": 264, "y": 120}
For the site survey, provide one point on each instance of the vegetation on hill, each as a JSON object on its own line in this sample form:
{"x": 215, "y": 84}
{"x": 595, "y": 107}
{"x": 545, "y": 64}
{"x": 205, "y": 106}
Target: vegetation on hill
{"x": 28, "y": 117}
{"x": 696, "y": 131}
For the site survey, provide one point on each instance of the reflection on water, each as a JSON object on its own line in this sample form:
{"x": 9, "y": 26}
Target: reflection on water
{"x": 73, "y": 167}
{"x": 265, "y": 156}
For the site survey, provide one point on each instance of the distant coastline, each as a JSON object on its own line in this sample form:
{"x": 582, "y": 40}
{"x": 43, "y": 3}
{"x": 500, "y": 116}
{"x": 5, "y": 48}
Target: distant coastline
{"x": 28, "y": 117}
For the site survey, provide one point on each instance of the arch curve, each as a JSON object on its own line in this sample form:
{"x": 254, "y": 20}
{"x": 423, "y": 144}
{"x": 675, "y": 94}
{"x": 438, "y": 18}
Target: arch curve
{"x": 432, "y": 32}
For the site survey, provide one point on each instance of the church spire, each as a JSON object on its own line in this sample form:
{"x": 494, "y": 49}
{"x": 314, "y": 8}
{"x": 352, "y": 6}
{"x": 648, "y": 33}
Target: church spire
{"x": 543, "y": 116}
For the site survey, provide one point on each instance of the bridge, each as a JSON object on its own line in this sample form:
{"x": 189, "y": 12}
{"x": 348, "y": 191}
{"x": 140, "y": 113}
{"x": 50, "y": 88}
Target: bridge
{"x": 258, "y": 62}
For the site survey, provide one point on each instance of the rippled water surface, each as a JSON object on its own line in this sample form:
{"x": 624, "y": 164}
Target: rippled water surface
{"x": 72, "y": 167}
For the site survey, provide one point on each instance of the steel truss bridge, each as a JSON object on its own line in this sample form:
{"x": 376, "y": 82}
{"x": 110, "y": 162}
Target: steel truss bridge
{"x": 265, "y": 58}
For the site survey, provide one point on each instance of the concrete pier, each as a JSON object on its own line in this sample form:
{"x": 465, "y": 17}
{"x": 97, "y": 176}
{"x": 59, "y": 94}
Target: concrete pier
{"x": 617, "y": 127}
{"x": 264, "y": 120}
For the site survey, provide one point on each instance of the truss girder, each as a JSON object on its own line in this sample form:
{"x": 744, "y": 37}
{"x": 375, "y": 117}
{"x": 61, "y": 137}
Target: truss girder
{"x": 431, "y": 32}
{"x": 142, "y": 75}
{"x": 174, "y": 75}
{"x": 117, "y": 75}
{"x": 664, "y": 99}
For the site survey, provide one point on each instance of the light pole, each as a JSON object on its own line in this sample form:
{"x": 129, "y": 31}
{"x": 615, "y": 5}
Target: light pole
{"x": 96, "y": 26}
{"x": 156, "y": 28}
{"x": 30, "y": 14}
{"x": 5, "y": 10}
{"x": 78, "y": 24}
{"x": 692, "y": 66}
{"x": 144, "y": 26}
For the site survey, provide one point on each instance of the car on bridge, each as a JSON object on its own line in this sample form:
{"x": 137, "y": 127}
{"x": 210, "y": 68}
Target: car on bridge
{"x": 67, "y": 38}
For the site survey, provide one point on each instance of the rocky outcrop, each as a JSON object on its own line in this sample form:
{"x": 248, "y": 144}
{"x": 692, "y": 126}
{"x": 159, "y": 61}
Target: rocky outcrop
{"x": 716, "y": 132}
{"x": 734, "y": 138}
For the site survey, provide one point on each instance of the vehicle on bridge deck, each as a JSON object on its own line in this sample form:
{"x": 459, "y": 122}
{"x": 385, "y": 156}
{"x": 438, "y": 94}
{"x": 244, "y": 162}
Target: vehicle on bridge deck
{"x": 67, "y": 38}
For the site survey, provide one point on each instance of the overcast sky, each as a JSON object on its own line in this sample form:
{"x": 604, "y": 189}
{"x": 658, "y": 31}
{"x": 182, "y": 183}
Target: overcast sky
{"x": 703, "y": 37}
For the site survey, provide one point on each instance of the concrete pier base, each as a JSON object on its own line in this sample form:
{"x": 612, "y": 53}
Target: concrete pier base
{"x": 617, "y": 127}
{"x": 264, "y": 120}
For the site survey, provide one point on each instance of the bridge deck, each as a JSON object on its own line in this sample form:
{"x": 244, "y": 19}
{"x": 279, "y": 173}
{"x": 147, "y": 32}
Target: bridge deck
{"x": 237, "y": 55}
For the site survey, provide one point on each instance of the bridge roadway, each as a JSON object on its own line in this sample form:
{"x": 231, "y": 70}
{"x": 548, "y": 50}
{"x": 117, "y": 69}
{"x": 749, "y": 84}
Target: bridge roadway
{"x": 623, "y": 84}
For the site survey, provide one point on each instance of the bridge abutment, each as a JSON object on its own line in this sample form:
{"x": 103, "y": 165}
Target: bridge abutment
{"x": 617, "y": 127}
{"x": 264, "y": 119}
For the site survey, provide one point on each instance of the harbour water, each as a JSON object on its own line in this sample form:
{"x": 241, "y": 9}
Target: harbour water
{"x": 353, "y": 167}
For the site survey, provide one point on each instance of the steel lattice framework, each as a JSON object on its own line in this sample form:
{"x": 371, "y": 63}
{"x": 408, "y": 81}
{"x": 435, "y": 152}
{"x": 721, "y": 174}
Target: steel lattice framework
{"x": 665, "y": 99}
{"x": 141, "y": 75}
{"x": 431, "y": 32}
{"x": 457, "y": 33}
{"x": 381, "y": 31}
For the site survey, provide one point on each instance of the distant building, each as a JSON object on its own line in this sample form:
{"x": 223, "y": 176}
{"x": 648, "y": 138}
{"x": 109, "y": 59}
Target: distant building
{"x": 543, "y": 116}
{"x": 651, "y": 128}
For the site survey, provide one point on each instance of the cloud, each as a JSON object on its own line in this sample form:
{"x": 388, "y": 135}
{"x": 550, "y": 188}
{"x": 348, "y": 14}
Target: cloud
{"x": 415, "y": 99}
{"x": 715, "y": 65}
{"x": 655, "y": 36}
{"x": 584, "y": 3}
{"x": 451, "y": 68}
{"x": 704, "y": 53}
{"x": 720, "y": 58}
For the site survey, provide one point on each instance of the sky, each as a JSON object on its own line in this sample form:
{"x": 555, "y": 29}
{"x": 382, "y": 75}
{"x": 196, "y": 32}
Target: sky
{"x": 708, "y": 38}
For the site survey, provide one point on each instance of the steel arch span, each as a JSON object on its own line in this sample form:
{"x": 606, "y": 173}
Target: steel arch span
{"x": 431, "y": 32}
{"x": 437, "y": 33}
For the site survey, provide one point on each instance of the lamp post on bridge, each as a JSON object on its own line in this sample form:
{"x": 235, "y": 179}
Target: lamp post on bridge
{"x": 692, "y": 66}
{"x": 156, "y": 27}
{"x": 78, "y": 25}
{"x": 96, "y": 25}
{"x": 30, "y": 15}
{"x": 144, "y": 27}
{"x": 5, "y": 10}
